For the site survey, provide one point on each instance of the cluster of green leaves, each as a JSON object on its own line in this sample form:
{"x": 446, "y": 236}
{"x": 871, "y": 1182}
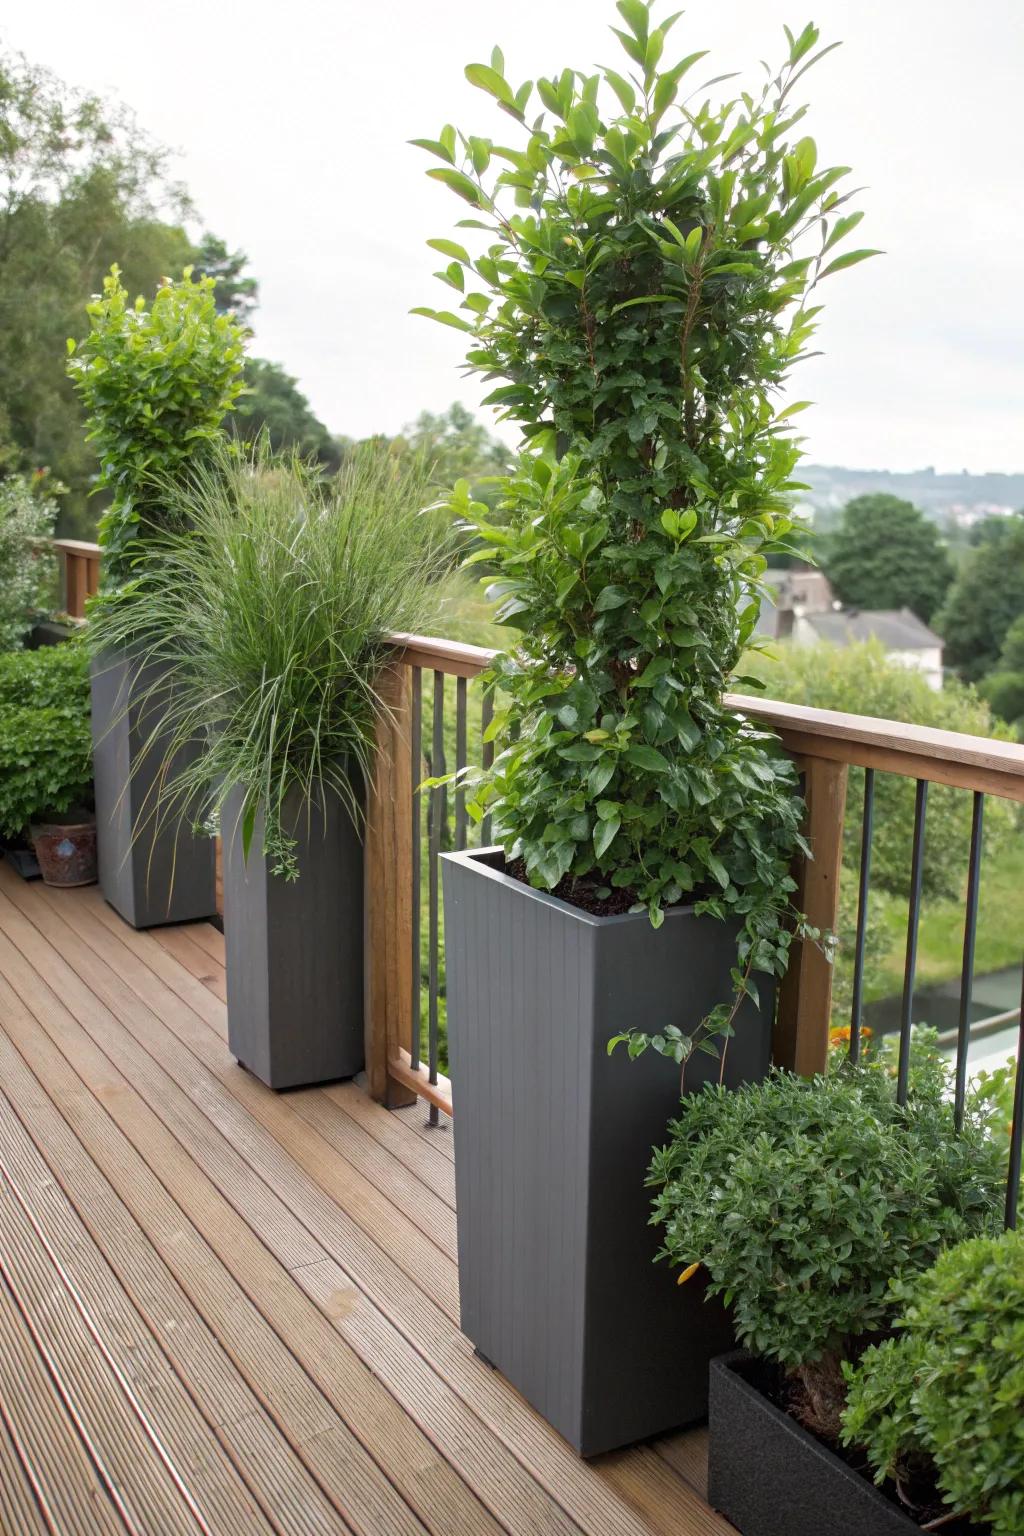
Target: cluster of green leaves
{"x": 642, "y": 296}
{"x": 1004, "y": 687}
{"x": 803, "y": 1198}
{"x": 264, "y": 612}
{"x": 156, "y": 384}
{"x": 986, "y": 598}
{"x": 45, "y": 740}
{"x": 951, "y": 1386}
{"x": 27, "y": 514}
{"x": 887, "y": 554}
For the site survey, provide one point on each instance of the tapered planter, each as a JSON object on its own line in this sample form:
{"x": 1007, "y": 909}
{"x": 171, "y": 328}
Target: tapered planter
{"x": 553, "y": 1139}
{"x": 771, "y": 1477}
{"x": 294, "y": 949}
{"x": 153, "y": 868}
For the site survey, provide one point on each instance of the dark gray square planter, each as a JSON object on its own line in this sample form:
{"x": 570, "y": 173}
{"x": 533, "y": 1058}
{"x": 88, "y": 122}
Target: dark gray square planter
{"x": 771, "y": 1477}
{"x": 552, "y": 1143}
{"x": 153, "y": 869}
{"x": 294, "y": 950}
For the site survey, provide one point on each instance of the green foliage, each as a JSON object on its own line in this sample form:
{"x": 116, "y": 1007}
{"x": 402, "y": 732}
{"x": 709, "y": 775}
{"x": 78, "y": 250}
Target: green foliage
{"x": 803, "y": 1198}
{"x": 45, "y": 741}
{"x": 80, "y": 187}
{"x": 1004, "y": 688}
{"x": 272, "y": 404}
{"x": 860, "y": 680}
{"x": 458, "y": 447}
{"x": 267, "y": 612}
{"x": 985, "y": 599}
{"x": 642, "y": 294}
{"x": 952, "y": 1385}
{"x": 27, "y": 512}
{"x": 156, "y": 384}
{"x": 235, "y": 292}
{"x": 886, "y": 554}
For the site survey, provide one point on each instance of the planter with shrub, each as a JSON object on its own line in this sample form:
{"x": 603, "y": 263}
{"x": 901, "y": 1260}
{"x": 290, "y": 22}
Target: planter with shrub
{"x": 46, "y": 819}
{"x": 263, "y": 629}
{"x": 940, "y": 1408}
{"x": 800, "y": 1203}
{"x": 640, "y": 297}
{"x": 156, "y": 384}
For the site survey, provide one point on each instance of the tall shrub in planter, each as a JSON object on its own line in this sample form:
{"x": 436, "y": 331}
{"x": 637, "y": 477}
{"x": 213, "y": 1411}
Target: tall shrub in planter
{"x": 263, "y": 625}
{"x": 156, "y": 383}
{"x": 643, "y": 289}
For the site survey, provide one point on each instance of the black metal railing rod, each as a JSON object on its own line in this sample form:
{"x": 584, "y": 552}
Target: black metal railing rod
{"x": 460, "y": 762}
{"x": 867, "y": 827}
{"x": 1017, "y": 1128}
{"x": 416, "y": 735}
{"x": 487, "y": 758}
{"x": 438, "y": 821}
{"x": 913, "y": 921}
{"x": 967, "y": 969}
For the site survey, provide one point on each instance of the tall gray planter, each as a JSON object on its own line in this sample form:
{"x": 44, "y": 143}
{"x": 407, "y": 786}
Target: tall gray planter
{"x": 153, "y": 868}
{"x": 553, "y": 1139}
{"x": 294, "y": 948}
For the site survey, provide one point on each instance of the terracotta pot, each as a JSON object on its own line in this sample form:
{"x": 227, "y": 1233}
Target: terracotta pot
{"x": 66, "y": 852}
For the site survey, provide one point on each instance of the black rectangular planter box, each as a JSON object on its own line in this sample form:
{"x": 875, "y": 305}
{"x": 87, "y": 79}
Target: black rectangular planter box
{"x": 294, "y": 949}
{"x": 553, "y": 1139}
{"x": 771, "y": 1477}
{"x": 153, "y": 868}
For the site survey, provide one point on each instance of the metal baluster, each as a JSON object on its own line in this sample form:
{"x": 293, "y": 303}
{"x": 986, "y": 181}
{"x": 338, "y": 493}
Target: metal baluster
{"x": 460, "y": 762}
{"x": 967, "y": 970}
{"x": 486, "y": 716}
{"x": 1017, "y": 1129}
{"x": 913, "y": 918}
{"x": 438, "y": 820}
{"x": 867, "y": 826}
{"x": 416, "y": 733}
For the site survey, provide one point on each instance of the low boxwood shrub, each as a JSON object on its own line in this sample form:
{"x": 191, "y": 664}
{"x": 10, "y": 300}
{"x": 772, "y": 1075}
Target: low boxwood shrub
{"x": 28, "y": 514}
{"x": 950, "y": 1388}
{"x": 45, "y": 740}
{"x": 802, "y": 1199}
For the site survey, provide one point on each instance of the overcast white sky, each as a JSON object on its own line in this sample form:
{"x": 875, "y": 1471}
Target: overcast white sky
{"x": 291, "y": 118}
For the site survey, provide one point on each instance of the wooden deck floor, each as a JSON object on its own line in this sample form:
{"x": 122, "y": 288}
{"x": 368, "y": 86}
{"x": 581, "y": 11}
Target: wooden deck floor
{"x": 223, "y": 1310}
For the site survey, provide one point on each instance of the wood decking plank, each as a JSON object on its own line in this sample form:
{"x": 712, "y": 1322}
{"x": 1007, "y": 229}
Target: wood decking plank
{"x": 430, "y": 1163}
{"x": 687, "y": 1453}
{"x": 48, "y": 1447}
{"x": 339, "y": 1462}
{"x": 192, "y": 957}
{"x": 235, "y": 1414}
{"x": 489, "y": 1468}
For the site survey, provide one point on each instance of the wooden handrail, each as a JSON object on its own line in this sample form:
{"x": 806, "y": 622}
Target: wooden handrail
{"x": 81, "y": 573}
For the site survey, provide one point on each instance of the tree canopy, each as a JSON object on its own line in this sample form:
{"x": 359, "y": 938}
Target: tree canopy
{"x": 986, "y": 598}
{"x": 886, "y": 554}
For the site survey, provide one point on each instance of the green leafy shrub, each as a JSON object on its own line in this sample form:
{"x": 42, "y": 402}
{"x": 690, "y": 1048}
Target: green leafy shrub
{"x": 45, "y": 741}
{"x": 887, "y": 554}
{"x": 156, "y": 384}
{"x": 267, "y": 613}
{"x": 802, "y": 1199}
{"x": 27, "y": 513}
{"x": 642, "y": 292}
{"x": 951, "y": 1386}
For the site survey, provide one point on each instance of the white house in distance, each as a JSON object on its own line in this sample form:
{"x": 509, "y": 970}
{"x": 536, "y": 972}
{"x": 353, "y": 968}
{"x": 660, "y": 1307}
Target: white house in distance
{"x": 805, "y": 613}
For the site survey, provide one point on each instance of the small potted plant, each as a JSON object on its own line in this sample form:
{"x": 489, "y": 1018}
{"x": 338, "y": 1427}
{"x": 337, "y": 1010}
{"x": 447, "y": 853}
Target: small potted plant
{"x": 799, "y": 1202}
{"x": 263, "y": 626}
{"x": 939, "y": 1410}
{"x": 642, "y": 291}
{"x": 46, "y": 765}
{"x": 156, "y": 384}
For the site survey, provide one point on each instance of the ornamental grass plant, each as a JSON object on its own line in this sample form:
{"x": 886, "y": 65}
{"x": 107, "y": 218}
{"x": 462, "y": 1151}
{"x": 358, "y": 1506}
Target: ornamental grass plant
{"x": 638, "y": 279}
{"x": 263, "y": 621}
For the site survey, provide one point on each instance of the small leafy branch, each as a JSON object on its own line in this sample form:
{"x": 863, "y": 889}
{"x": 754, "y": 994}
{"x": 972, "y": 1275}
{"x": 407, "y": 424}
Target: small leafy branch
{"x": 642, "y": 294}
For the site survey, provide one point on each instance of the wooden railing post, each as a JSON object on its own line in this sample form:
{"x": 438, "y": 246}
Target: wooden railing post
{"x": 81, "y": 573}
{"x": 388, "y": 921}
{"x": 805, "y": 996}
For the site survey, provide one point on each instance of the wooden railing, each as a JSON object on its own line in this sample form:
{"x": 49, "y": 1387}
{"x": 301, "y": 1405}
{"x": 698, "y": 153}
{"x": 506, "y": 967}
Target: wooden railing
{"x": 404, "y": 1047}
{"x": 81, "y": 578}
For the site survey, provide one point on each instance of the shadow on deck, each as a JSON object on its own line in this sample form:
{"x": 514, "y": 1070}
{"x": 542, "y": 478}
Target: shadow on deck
{"x": 224, "y": 1310}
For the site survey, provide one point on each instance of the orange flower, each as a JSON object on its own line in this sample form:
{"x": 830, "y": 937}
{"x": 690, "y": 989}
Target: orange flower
{"x": 688, "y": 1273}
